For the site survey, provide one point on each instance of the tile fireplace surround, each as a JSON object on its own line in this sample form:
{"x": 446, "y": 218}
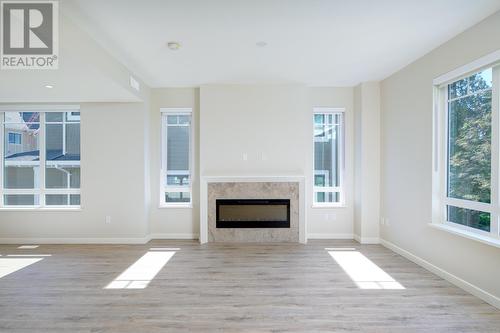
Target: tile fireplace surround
{"x": 257, "y": 187}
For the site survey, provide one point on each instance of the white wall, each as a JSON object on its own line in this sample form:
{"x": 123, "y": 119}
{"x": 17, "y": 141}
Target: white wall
{"x": 407, "y": 162}
{"x": 367, "y": 162}
{"x": 112, "y": 183}
{"x": 172, "y": 222}
{"x": 267, "y": 123}
{"x": 272, "y": 125}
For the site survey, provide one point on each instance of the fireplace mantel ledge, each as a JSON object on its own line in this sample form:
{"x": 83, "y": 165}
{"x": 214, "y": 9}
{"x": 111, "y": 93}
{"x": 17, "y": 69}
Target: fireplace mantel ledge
{"x": 252, "y": 178}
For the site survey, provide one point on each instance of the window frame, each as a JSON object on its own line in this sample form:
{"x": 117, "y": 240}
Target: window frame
{"x": 164, "y": 188}
{"x": 337, "y": 189}
{"x": 440, "y": 171}
{"x": 42, "y": 190}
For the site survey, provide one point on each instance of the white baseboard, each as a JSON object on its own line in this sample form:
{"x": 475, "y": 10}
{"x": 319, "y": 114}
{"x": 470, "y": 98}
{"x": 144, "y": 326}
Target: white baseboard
{"x": 366, "y": 240}
{"x": 469, "y": 287}
{"x": 136, "y": 240}
{"x": 133, "y": 240}
{"x": 174, "y": 236}
{"x": 329, "y": 236}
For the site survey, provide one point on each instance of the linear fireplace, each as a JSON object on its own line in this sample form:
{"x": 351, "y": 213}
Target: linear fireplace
{"x": 253, "y": 213}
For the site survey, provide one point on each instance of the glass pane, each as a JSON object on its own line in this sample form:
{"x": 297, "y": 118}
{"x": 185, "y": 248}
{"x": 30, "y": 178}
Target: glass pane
{"x": 178, "y": 179}
{"x": 178, "y": 148}
{"x": 457, "y": 89}
{"x": 327, "y": 153}
{"x": 21, "y": 151}
{"x": 72, "y": 116}
{"x": 469, "y": 159}
{"x": 22, "y": 117}
{"x": 21, "y": 200}
{"x": 74, "y": 199}
{"x": 62, "y": 199}
{"x": 171, "y": 119}
{"x": 54, "y": 117}
{"x": 57, "y": 199}
{"x": 177, "y": 197}
{"x": 62, "y": 176}
{"x": 319, "y": 119}
{"x": 327, "y": 197}
{"x": 183, "y": 120}
{"x": 469, "y": 217}
{"x": 21, "y": 177}
{"x": 63, "y": 153}
{"x": 481, "y": 80}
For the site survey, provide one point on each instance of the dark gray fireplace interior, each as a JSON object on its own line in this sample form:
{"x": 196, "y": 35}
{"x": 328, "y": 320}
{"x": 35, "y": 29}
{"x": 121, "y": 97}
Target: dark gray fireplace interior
{"x": 253, "y": 213}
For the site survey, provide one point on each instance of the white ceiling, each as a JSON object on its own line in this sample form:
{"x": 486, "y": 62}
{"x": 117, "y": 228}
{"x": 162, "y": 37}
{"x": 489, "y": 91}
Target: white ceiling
{"x": 316, "y": 42}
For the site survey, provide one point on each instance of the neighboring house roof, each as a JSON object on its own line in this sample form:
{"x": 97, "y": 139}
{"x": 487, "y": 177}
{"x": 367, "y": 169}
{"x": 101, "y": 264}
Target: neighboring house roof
{"x": 52, "y": 155}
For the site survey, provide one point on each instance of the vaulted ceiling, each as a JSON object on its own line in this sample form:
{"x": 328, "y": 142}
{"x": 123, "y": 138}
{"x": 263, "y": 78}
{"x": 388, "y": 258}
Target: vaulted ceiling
{"x": 316, "y": 42}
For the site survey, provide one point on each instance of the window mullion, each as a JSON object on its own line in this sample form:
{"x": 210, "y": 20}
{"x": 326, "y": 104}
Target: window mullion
{"x": 163, "y": 166}
{"x": 495, "y": 163}
{"x": 42, "y": 159}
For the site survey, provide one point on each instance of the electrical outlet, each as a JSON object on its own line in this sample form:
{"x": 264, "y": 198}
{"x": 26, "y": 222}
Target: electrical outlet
{"x": 245, "y": 157}
{"x": 107, "y": 219}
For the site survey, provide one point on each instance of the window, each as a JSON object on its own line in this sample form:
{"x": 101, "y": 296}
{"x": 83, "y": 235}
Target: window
{"x": 466, "y": 152}
{"x": 41, "y": 159}
{"x": 15, "y": 138}
{"x": 328, "y": 156}
{"x": 176, "y": 157}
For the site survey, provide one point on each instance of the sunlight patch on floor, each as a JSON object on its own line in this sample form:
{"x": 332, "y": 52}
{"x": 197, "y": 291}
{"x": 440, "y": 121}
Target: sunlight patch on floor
{"x": 362, "y": 271}
{"x": 28, "y": 247}
{"x": 142, "y": 272}
{"x": 11, "y": 265}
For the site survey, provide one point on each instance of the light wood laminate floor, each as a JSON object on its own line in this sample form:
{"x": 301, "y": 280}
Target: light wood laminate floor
{"x": 230, "y": 288}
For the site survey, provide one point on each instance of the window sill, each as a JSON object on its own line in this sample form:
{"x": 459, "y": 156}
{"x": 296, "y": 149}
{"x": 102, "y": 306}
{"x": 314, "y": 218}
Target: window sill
{"x": 329, "y": 206}
{"x": 467, "y": 234}
{"x": 185, "y": 206}
{"x": 40, "y": 209}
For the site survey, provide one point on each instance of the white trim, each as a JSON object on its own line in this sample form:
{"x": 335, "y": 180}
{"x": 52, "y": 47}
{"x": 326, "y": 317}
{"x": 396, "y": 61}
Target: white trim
{"x": 341, "y": 153}
{"x": 177, "y": 110}
{"x": 440, "y": 168}
{"x": 464, "y": 70}
{"x": 366, "y": 240}
{"x": 468, "y": 287}
{"x": 185, "y": 205}
{"x": 469, "y": 234}
{"x": 468, "y": 204}
{"x": 329, "y": 236}
{"x": 98, "y": 240}
{"x": 328, "y": 205}
{"x": 327, "y": 109}
{"x": 164, "y": 188}
{"x": 42, "y": 163}
{"x": 37, "y": 209}
{"x": 38, "y": 108}
{"x": 132, "y": 240}
{"x": 174, "y": 236}
{"x": 42, "y": 150}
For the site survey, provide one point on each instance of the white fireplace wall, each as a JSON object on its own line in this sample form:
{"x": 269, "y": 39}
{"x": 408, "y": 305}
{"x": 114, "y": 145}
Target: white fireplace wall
{"x": 261, "y": 130}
